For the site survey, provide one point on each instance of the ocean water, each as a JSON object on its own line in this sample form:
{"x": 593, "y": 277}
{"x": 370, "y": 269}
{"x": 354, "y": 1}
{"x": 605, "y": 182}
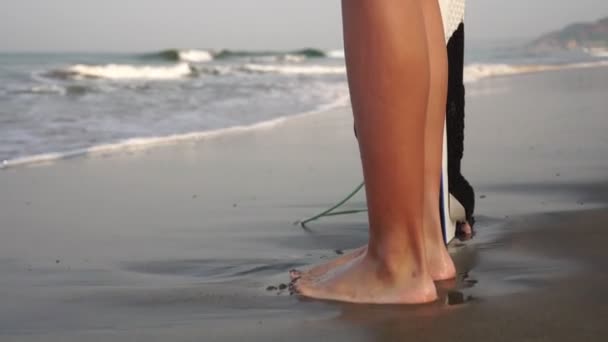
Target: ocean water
{"x": 56, "y": 105}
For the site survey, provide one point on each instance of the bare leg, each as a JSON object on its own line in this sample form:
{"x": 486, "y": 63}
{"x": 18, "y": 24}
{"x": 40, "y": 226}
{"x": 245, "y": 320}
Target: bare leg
{"x": 440, "y": 264}
{"x": 388, "y": 71}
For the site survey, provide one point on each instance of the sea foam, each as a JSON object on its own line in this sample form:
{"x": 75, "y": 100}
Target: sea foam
{"x": 127, "y": 72}
{"x": 294, "y": 69}
{"x": 339, "y": 54}
{"x": 597, "y": 52}
{"x": 195, "y": 56}
{"x": 476, "y": 72}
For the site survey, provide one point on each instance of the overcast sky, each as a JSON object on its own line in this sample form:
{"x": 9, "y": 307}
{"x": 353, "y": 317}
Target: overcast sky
{"x": 139, "y": 25}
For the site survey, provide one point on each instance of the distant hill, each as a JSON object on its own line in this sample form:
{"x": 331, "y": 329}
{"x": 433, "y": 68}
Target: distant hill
{"x": 585, "y": 36}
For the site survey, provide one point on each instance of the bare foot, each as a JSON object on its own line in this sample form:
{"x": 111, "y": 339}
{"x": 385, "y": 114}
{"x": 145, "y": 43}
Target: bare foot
{"x": 320, "y": 270}
{"x": 439, "y": 263}
{"x": 367, "y": 281}
{"x": 441, "y": 266}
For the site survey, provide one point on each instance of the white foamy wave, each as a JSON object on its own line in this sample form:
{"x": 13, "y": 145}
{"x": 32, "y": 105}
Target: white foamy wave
{"x": 476, "y": 72}
{"x": 195, "y": 56}
{"x": 43, "y": 89}
{"x": 597, "y": 52}
{"x": 288, "y": 58}
{"x": 295, "y": 69}
{"x": 293, "y": 58}
{"x": 129, "y": 72}
{"x": 335, "y": 54}
{"x": 215, "y": 70}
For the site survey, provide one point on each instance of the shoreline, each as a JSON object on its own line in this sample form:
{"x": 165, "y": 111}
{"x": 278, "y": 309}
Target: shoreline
{"x": 143, "y": 143}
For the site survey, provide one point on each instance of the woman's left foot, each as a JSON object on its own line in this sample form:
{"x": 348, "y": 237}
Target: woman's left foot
{"x": 440, "y": 265}
{"x": 320, "y": 270}
{"x": 366, "y": 280}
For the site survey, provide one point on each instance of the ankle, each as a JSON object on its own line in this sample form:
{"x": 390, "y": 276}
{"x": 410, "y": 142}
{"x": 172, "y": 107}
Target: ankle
{"x": 433, "y": 237}
{"x": 395, "y": 265}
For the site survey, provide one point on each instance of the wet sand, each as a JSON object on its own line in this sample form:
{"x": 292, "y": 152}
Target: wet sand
{"x": 181, "y": 242}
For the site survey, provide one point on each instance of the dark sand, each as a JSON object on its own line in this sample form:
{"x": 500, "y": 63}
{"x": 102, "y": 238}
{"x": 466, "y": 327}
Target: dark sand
{"x": 179, "y": 243}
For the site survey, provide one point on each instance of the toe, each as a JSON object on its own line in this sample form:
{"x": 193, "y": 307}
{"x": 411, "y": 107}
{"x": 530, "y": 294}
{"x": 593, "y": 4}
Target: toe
{"x": 303, "y": 287}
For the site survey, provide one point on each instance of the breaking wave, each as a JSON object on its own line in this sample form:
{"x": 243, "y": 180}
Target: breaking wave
{"x": 336, "y": 54}
{"x": 181, "y": 71}
{"x": 294, "y": 69}
{"x": 476, "y": 72}
{"x": 597, "y": 52}
{"x": 195, "y": 56}
{"x": 472, "y": 72}
{"x": 124, "y": 72}
{"x": 201, "y": 56}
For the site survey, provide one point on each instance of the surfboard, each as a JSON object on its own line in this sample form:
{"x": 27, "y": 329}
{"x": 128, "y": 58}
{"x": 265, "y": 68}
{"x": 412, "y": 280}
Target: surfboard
{"x": 452, "y": 212}
{"x": 452, "y": 13}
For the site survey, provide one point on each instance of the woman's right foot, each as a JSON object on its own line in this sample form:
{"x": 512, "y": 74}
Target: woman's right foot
{"x": 438, "y": 260}
{"x": 440, "y": 264}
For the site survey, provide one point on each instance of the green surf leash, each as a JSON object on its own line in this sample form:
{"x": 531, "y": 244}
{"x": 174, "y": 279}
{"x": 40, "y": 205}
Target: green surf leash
{"x": 331, "y": 211}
